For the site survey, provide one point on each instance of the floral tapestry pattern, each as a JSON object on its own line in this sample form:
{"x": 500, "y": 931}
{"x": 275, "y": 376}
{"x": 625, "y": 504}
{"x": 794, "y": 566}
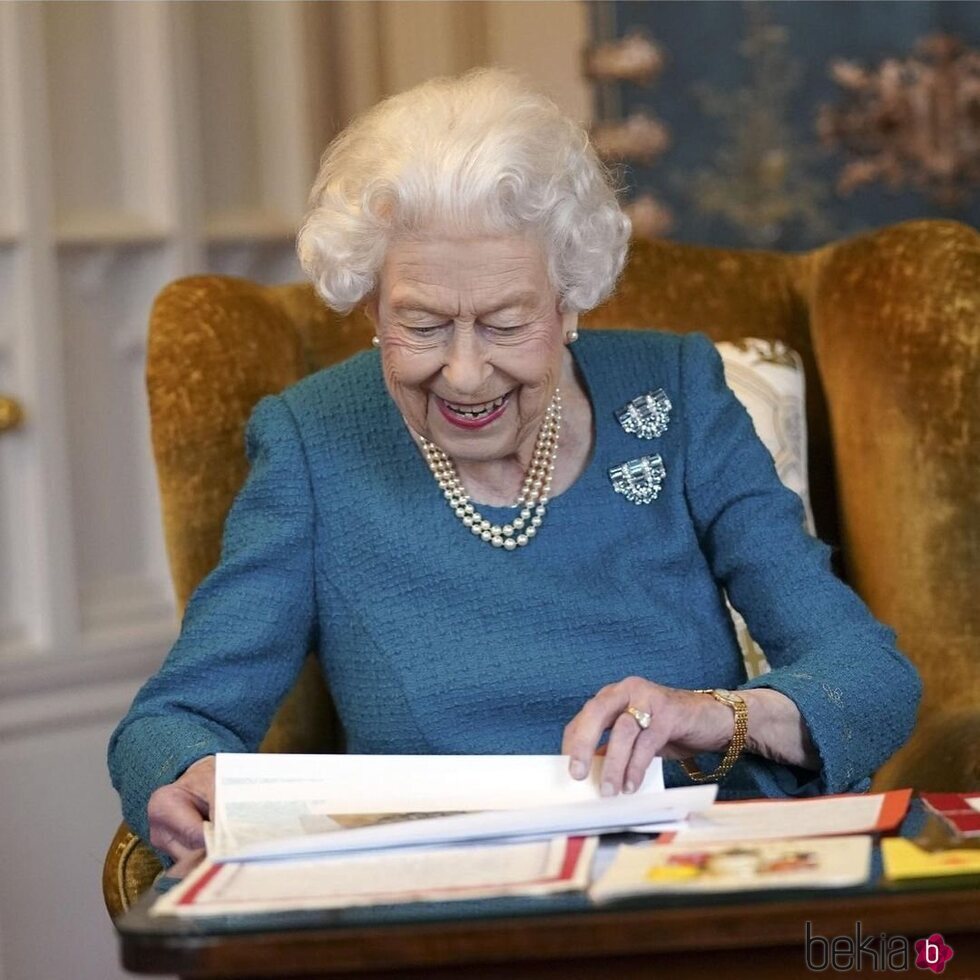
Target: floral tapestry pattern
{"x": 785, "y": 125}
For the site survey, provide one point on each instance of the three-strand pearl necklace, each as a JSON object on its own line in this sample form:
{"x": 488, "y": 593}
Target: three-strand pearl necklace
{"x": 533, "y": 498}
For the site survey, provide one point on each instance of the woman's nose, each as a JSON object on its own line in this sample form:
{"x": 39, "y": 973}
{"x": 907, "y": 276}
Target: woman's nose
{"x": 466, "y": 366}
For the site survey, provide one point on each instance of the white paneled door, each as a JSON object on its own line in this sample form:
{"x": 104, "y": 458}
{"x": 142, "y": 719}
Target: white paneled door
{"x": 116, "y": 177}
{"x": 140, "y": 142}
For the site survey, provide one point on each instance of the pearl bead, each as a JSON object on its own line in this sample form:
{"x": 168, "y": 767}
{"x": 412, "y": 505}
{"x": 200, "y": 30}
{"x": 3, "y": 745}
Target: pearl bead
{"x": 531, "y": 499}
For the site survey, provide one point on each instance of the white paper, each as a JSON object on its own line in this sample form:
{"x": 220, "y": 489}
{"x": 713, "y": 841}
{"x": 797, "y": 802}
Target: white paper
{"x": 385, "y": 877}
{"x": 774, "y": 819}
{"x": 645, "y": 869}
{"x": 584, "y": 817}
{"x": 370, "y": 783}
{"x": 279, "y": 805}
{"x": 265, "y": 797}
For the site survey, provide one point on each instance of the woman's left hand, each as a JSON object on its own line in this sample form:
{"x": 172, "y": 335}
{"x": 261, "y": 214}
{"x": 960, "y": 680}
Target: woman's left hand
{"x": 682, "y": 723}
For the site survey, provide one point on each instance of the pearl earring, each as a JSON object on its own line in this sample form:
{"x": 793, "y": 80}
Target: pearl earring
{"x": 375, "y": 341}
{"x": 572, "y": 336}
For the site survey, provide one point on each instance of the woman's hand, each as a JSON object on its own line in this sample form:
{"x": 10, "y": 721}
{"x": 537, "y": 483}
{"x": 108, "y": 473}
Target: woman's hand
{"x": 177, "y": 813}
{"x": 682, "y": 724}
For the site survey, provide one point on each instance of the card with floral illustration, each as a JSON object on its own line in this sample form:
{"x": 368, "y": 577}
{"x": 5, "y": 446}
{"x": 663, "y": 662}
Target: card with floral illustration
{"x": 806, "y": 862}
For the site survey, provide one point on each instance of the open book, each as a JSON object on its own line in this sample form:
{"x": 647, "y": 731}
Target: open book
{"x": 317, "y": 832}
{"x": 278, "y": 806}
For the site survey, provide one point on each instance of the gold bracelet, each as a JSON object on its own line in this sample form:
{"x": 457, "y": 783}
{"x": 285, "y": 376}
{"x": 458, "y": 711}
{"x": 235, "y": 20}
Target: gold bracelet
{"x": 735, "y": 746}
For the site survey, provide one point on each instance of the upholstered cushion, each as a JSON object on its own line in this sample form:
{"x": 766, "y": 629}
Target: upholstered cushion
{"x": 767, "y": 378}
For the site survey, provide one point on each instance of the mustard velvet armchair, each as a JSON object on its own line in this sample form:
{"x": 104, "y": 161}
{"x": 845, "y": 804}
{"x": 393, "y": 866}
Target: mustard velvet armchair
{"x": 887, "y": 325}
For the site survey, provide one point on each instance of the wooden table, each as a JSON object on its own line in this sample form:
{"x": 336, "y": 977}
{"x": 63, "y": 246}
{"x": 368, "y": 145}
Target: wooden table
{"x": 736, "y": 936}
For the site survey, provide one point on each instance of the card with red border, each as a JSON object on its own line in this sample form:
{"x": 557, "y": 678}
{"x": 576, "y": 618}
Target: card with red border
{"x": 387, "y": 877}
{"x": 815, "y": 816}
{"x": 961, "y": 811}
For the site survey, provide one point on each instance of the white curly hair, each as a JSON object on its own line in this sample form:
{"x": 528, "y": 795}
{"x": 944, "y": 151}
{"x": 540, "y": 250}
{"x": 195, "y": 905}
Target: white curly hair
{"x": 481, "y": 154}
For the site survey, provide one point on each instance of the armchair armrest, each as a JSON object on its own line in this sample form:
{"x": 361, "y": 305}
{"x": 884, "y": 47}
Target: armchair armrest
{"x": 129, "y": 870}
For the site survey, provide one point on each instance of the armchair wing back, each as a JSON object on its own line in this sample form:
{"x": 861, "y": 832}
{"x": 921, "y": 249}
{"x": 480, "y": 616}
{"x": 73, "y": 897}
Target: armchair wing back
{"x": 887, "y": 326}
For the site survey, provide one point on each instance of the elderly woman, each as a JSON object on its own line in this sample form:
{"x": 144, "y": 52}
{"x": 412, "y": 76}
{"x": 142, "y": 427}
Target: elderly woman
{"x": 502, "y": 536}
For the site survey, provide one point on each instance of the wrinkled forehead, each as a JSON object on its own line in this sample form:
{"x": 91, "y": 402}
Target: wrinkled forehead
{"x": 434, "y": 271}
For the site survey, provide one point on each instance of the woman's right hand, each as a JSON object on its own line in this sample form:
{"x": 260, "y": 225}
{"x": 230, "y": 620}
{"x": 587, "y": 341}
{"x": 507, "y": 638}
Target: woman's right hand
{"x": 177, "y": 813}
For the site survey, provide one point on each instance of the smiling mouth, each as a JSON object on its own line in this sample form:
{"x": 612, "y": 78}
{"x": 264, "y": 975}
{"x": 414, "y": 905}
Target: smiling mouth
{"x": 473, "y": 414}
{"x": 475, "y": 411}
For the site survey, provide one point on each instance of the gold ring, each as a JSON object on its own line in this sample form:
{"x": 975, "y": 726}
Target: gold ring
{"x": 642, "y": 718}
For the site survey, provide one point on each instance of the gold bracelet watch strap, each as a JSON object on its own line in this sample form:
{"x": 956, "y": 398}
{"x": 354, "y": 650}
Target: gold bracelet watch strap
{"x": 735, "y": 746}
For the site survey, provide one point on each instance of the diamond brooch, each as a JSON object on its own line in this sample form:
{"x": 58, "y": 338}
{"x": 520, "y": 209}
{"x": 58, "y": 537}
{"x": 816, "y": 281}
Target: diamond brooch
{"x": 646, "y": 416}
{"x": 639, "y": 480}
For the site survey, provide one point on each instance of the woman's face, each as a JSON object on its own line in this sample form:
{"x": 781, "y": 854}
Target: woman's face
{"x": 472, "y": 342}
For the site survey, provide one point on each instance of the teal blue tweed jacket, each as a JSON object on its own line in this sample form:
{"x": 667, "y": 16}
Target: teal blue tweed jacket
{"x": 433, "y": 642}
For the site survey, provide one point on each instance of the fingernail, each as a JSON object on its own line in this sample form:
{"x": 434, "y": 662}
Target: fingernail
{"x": 578, "y": 769}
{"x": 629, "y": 787}
{"x": 608, "y": 789}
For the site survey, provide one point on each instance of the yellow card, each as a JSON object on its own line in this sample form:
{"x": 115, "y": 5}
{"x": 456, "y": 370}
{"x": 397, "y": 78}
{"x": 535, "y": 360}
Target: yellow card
{"x": 903, "y": 859}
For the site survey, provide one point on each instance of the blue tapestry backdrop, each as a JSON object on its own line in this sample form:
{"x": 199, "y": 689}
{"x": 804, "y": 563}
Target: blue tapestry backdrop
{"x": 787, "y": 124}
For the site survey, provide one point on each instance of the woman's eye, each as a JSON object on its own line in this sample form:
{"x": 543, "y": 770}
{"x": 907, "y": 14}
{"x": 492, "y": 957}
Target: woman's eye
{"x": 426, "y": 331}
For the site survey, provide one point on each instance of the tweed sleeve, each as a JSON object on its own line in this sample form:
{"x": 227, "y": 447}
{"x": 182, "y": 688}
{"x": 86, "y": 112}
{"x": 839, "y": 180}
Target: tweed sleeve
{"x": 245, "y": 633}
{"x": 856, "y": 693}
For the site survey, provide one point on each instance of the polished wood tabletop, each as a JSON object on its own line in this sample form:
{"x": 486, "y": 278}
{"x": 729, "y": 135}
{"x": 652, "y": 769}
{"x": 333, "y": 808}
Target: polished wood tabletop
{"x": 760, "y": 936}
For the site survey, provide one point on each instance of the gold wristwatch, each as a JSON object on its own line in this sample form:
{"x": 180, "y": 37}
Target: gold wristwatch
{"x": 735, "y": 746}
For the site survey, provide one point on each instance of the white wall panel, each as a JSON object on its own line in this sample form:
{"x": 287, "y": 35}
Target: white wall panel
{"x": 81, "y": 72}
{"x": 16, "y": 539}
{"x": 47, "y": 565}
{"x": 227, "y": 112}
{"x": 138, "y": 143}
{"x": 118, "y": 550}
{"x": 11, "y": 204}
{"x": 104, "y": 130}
{"x": 53, "y": 835}
{"x": 253, "y": 118}
{"x": 143, "y": 58}
{"x": 268, "y": 262}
